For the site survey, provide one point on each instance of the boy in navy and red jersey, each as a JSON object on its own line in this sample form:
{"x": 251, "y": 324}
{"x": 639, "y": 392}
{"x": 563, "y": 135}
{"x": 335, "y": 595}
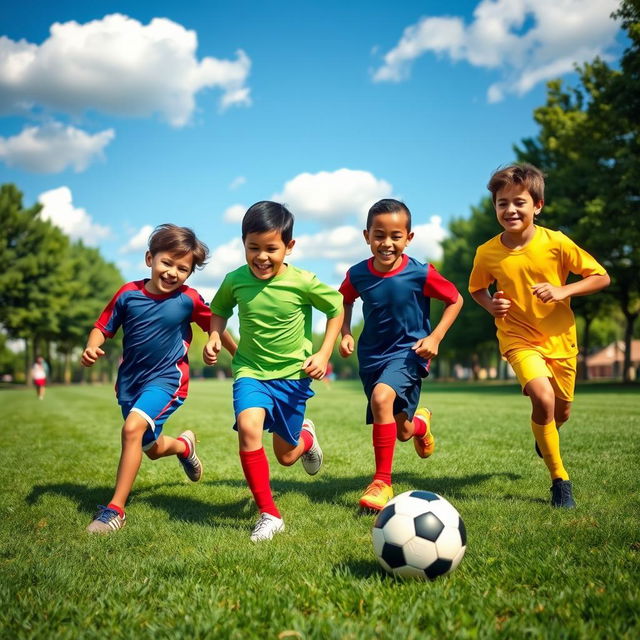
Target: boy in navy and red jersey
{"x": 155, "y": 315}
{"x": 397, "y": 342}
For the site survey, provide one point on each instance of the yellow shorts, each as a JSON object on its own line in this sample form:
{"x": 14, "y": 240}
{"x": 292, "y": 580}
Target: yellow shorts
{"x": 529, "y": 364}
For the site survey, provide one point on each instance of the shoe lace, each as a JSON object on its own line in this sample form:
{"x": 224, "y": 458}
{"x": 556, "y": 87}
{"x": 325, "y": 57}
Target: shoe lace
{"x": 105, "y": 514}
{"x": 262, "y": 524}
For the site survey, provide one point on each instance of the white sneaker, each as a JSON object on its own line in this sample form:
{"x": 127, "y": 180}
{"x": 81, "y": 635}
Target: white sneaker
{"x": 312, "y": 459}
{"x": 191, "y": 465}
{"x": 266, "y": 527}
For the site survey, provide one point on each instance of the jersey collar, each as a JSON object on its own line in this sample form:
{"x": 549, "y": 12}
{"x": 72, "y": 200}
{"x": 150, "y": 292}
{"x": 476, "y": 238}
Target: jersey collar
{"x": 393, "y": 272}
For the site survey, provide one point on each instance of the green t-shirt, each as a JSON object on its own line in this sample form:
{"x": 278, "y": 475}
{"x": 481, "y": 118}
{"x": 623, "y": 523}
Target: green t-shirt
{"x": 275, "y": 319}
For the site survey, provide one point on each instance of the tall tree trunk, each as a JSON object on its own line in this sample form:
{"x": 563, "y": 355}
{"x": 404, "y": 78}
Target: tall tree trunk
{"x": 67, "y": 367}
{"x": 628, "y": 339}
{"x": 586, "y": 345}
{"x": 27, "y": 362}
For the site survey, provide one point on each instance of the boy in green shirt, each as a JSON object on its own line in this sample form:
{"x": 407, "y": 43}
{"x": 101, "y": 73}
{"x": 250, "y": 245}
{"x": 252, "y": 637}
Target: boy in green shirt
{"x": 274, "y": 364}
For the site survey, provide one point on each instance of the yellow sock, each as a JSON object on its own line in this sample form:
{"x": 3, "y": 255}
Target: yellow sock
{"x": 548, "y": 440}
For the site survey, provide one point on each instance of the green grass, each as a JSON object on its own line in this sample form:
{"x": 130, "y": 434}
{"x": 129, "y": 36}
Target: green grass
{"x": 184, "y": 565}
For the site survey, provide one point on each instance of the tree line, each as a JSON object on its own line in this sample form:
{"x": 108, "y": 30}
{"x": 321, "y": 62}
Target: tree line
{"x": 588, "y": 145}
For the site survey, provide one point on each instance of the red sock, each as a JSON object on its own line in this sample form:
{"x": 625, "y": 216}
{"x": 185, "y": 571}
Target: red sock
{"x": 115, "y": 507}
{"x": 384, "y": 443}
{"x": 187, "y": 449}
{"x": 307, "y": 439}
{"x": 256, "y": 470}
{"x": 419, "y": 426}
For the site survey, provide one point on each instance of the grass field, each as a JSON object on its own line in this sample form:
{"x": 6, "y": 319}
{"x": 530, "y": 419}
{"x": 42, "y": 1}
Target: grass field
{"x": 184, "y": 566}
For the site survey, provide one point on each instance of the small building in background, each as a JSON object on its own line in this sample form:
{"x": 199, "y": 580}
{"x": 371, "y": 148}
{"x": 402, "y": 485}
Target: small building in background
{"x": 609, "y": 362}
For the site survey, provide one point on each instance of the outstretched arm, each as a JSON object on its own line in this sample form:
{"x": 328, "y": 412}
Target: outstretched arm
{"x": 93, "y": 351}
{"x": 428, "y": 347}
{"x": 315, "y": 366}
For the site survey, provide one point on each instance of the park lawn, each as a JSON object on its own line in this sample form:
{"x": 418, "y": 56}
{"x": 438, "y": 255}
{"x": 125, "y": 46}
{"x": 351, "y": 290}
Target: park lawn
{"x": 184, "y": 566}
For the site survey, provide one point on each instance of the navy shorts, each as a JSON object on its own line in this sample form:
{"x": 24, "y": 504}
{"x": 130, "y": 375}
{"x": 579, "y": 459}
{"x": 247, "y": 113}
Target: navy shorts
{"x": 404, "y": 375}
{"x": 155, "y": 405}
{"x": 284, "y": 402}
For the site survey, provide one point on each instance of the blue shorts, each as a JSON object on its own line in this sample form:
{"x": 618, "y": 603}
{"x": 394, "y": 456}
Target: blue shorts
{"x": 284, "y": 402}
{"x": 155, "y": 405}
{"x": 404, "y": 376}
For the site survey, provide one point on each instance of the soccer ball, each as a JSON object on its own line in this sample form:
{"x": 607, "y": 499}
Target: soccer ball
{"x": 419, "y": 534}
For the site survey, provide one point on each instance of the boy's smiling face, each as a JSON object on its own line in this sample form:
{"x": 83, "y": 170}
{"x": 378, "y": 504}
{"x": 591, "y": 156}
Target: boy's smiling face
{"x": 265, "y": 253}
{"x": 388, "y": 237}
{"x": 168, "y": 271}
{"x": 515, "y": 209}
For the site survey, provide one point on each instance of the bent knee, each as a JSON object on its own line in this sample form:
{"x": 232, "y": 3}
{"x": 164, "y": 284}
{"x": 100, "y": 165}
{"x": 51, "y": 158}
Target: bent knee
{"x": 152, "y": 453}
{"x": 286, "y": 459}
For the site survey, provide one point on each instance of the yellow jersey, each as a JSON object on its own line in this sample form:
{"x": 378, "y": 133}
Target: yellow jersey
{"x": 549, "y": 328}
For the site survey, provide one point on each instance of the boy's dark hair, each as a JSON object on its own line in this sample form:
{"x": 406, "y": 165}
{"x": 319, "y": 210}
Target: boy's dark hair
{"x": 265, "y": 216}
{"x": 388, "y": 205}
{"x": 530, "y": 177}
{"x": 179, "y": 241}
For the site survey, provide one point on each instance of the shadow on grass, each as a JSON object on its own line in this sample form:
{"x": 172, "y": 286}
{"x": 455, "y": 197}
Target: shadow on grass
{"x": 178, "y": 507}
{"x": 325, "y": 489}
{"x": 336, "y": 490}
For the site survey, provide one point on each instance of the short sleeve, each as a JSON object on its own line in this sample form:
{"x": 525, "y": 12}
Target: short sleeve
{"x": 480, "y": 278}
{"x": 201, "y": 314}
{"x": 324, "y": 298}
{"x": 438, "y": 287}
{"x": 224, "y": 302}
{"x": 110, "y": 320}
{"x": 578, "y": 261}
{"x": 348, "y": 291}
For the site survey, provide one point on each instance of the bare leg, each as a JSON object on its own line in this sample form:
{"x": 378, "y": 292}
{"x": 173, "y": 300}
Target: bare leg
{"x": 166, "y": 446}
{"x": 287, "y": 453}
{"x": 130, "y": 458}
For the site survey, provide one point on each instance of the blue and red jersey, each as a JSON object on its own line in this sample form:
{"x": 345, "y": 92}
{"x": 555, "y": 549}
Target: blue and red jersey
{"x": 157, "y": 335}
{"x": 396, "y": 308}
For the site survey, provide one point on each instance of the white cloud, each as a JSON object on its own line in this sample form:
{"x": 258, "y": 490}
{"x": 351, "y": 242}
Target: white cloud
{"x": 224, "y": 258}
{"x": 234, "y": 213}
{"x": 237, "y": 182}
{"x": 53, "y": 147}
{"x": 139, "y": 241}
{"x": 425, "y": 245}
{"x": 562, "y": 33}
{"x": 57, "y": 206}
{"x": 345, "y": 243}
{"x": 118, "y": 65}
{"x": 330, "y": 196}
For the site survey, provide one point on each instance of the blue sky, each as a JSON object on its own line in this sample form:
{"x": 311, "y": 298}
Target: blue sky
{"x": 119, "y": 116}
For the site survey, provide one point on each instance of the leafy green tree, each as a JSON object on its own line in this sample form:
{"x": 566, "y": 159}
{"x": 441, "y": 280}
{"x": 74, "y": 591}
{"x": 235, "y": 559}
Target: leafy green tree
{"x": 92, "y": 283}
{"x": 34, "y": 270}
{"x": 589, "y": 147}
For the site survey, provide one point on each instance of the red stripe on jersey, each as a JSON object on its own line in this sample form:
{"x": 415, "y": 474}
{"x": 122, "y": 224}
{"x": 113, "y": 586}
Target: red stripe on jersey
{"x": 201, "y": 314}
{"x": 348, "y": 291}
{"x": 438, "y": 287}
{"x": 103, "y": 320}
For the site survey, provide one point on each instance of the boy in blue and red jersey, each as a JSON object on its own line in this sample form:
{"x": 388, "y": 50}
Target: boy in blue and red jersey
{"x": 155, "y": 315}
{"x": 397, "y": 342}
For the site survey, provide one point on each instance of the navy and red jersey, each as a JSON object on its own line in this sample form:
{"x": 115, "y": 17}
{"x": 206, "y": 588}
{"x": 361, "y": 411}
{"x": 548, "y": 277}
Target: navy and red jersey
{"x": 157, "y": 334}
{"x": 395, "y": 307}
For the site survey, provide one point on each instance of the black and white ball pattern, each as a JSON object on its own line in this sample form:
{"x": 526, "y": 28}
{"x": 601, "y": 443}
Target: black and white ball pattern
{"x": 419, "y": 534}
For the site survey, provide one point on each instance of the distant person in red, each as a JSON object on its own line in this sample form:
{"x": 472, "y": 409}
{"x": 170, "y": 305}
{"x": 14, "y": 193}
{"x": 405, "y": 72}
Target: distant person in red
{"x": 39, "y": 373}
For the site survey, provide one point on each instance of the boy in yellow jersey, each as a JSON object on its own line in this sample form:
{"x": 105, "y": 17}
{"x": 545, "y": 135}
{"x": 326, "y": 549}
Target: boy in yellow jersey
{"x": 531, "y": 306}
